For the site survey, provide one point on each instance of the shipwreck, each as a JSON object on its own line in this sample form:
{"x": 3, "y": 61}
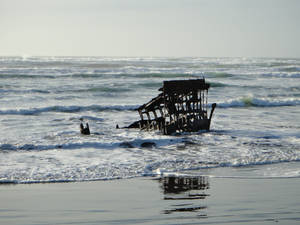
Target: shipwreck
{"x": 180, "y": 107}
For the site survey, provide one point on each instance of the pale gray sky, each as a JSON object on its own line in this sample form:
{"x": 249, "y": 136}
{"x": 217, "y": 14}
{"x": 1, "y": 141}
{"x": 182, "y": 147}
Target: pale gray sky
{"x": 245, "y": 28}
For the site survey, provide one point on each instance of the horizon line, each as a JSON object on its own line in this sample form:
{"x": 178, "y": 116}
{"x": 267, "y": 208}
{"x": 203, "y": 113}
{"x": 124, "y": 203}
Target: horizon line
{"x": 123, "y": 56}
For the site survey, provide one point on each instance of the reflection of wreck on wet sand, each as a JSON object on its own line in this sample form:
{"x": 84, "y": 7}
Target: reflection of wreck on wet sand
{"x": 185, "y": 189}
{"x": 181, "y": 107}
{"x": 177, "y": 185}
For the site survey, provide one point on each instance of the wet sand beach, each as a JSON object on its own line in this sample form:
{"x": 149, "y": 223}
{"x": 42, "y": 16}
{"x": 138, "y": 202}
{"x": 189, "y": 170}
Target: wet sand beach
{"x": 164, "y": 200}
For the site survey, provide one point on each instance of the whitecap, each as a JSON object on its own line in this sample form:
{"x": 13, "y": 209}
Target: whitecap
{"x": 258, "y": 102}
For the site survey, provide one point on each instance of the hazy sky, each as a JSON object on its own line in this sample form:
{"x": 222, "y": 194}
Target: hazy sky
{"x": 246, "y": 28}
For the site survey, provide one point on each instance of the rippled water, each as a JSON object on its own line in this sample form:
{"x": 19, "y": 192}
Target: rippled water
{"x": 256, "y": 123}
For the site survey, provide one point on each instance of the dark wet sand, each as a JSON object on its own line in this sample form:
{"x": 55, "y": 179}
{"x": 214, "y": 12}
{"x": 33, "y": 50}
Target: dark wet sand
{"x": 198, "y": 200}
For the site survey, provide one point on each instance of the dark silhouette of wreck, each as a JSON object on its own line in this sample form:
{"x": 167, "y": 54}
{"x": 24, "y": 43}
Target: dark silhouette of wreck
{"x": 178, "y": 184}
{"x": 85, "y": 130}
{"x": 187, "y": 190}
{"x": 180, "y": 107}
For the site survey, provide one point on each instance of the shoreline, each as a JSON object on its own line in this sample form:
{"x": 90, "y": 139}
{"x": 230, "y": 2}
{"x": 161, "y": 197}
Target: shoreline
{"x": 151, "y": 200}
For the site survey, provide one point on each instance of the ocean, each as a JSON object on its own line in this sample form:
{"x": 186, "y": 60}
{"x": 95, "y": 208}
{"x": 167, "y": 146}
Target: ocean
{"x": 255, "y": 130}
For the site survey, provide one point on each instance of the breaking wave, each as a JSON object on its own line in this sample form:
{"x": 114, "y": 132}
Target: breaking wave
{"x": 218, "y": 84}
{"x": 258, "y": 102}
{"x": 111, "y": 171}
{"x": 67, "y": 109}
{"x": 290, "y": 69}
{"x": 241, "y": 102}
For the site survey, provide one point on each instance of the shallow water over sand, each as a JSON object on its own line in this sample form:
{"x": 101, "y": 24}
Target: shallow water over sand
{"x": 162, "y": 200}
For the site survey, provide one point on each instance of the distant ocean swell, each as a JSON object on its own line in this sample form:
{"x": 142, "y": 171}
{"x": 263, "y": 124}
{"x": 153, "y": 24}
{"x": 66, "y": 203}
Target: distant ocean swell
{"x": 118, "y": 88}
{"x": 282, "y": 75}
{"x": 142, "y": 73}
{"x": 54, "y": 74}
